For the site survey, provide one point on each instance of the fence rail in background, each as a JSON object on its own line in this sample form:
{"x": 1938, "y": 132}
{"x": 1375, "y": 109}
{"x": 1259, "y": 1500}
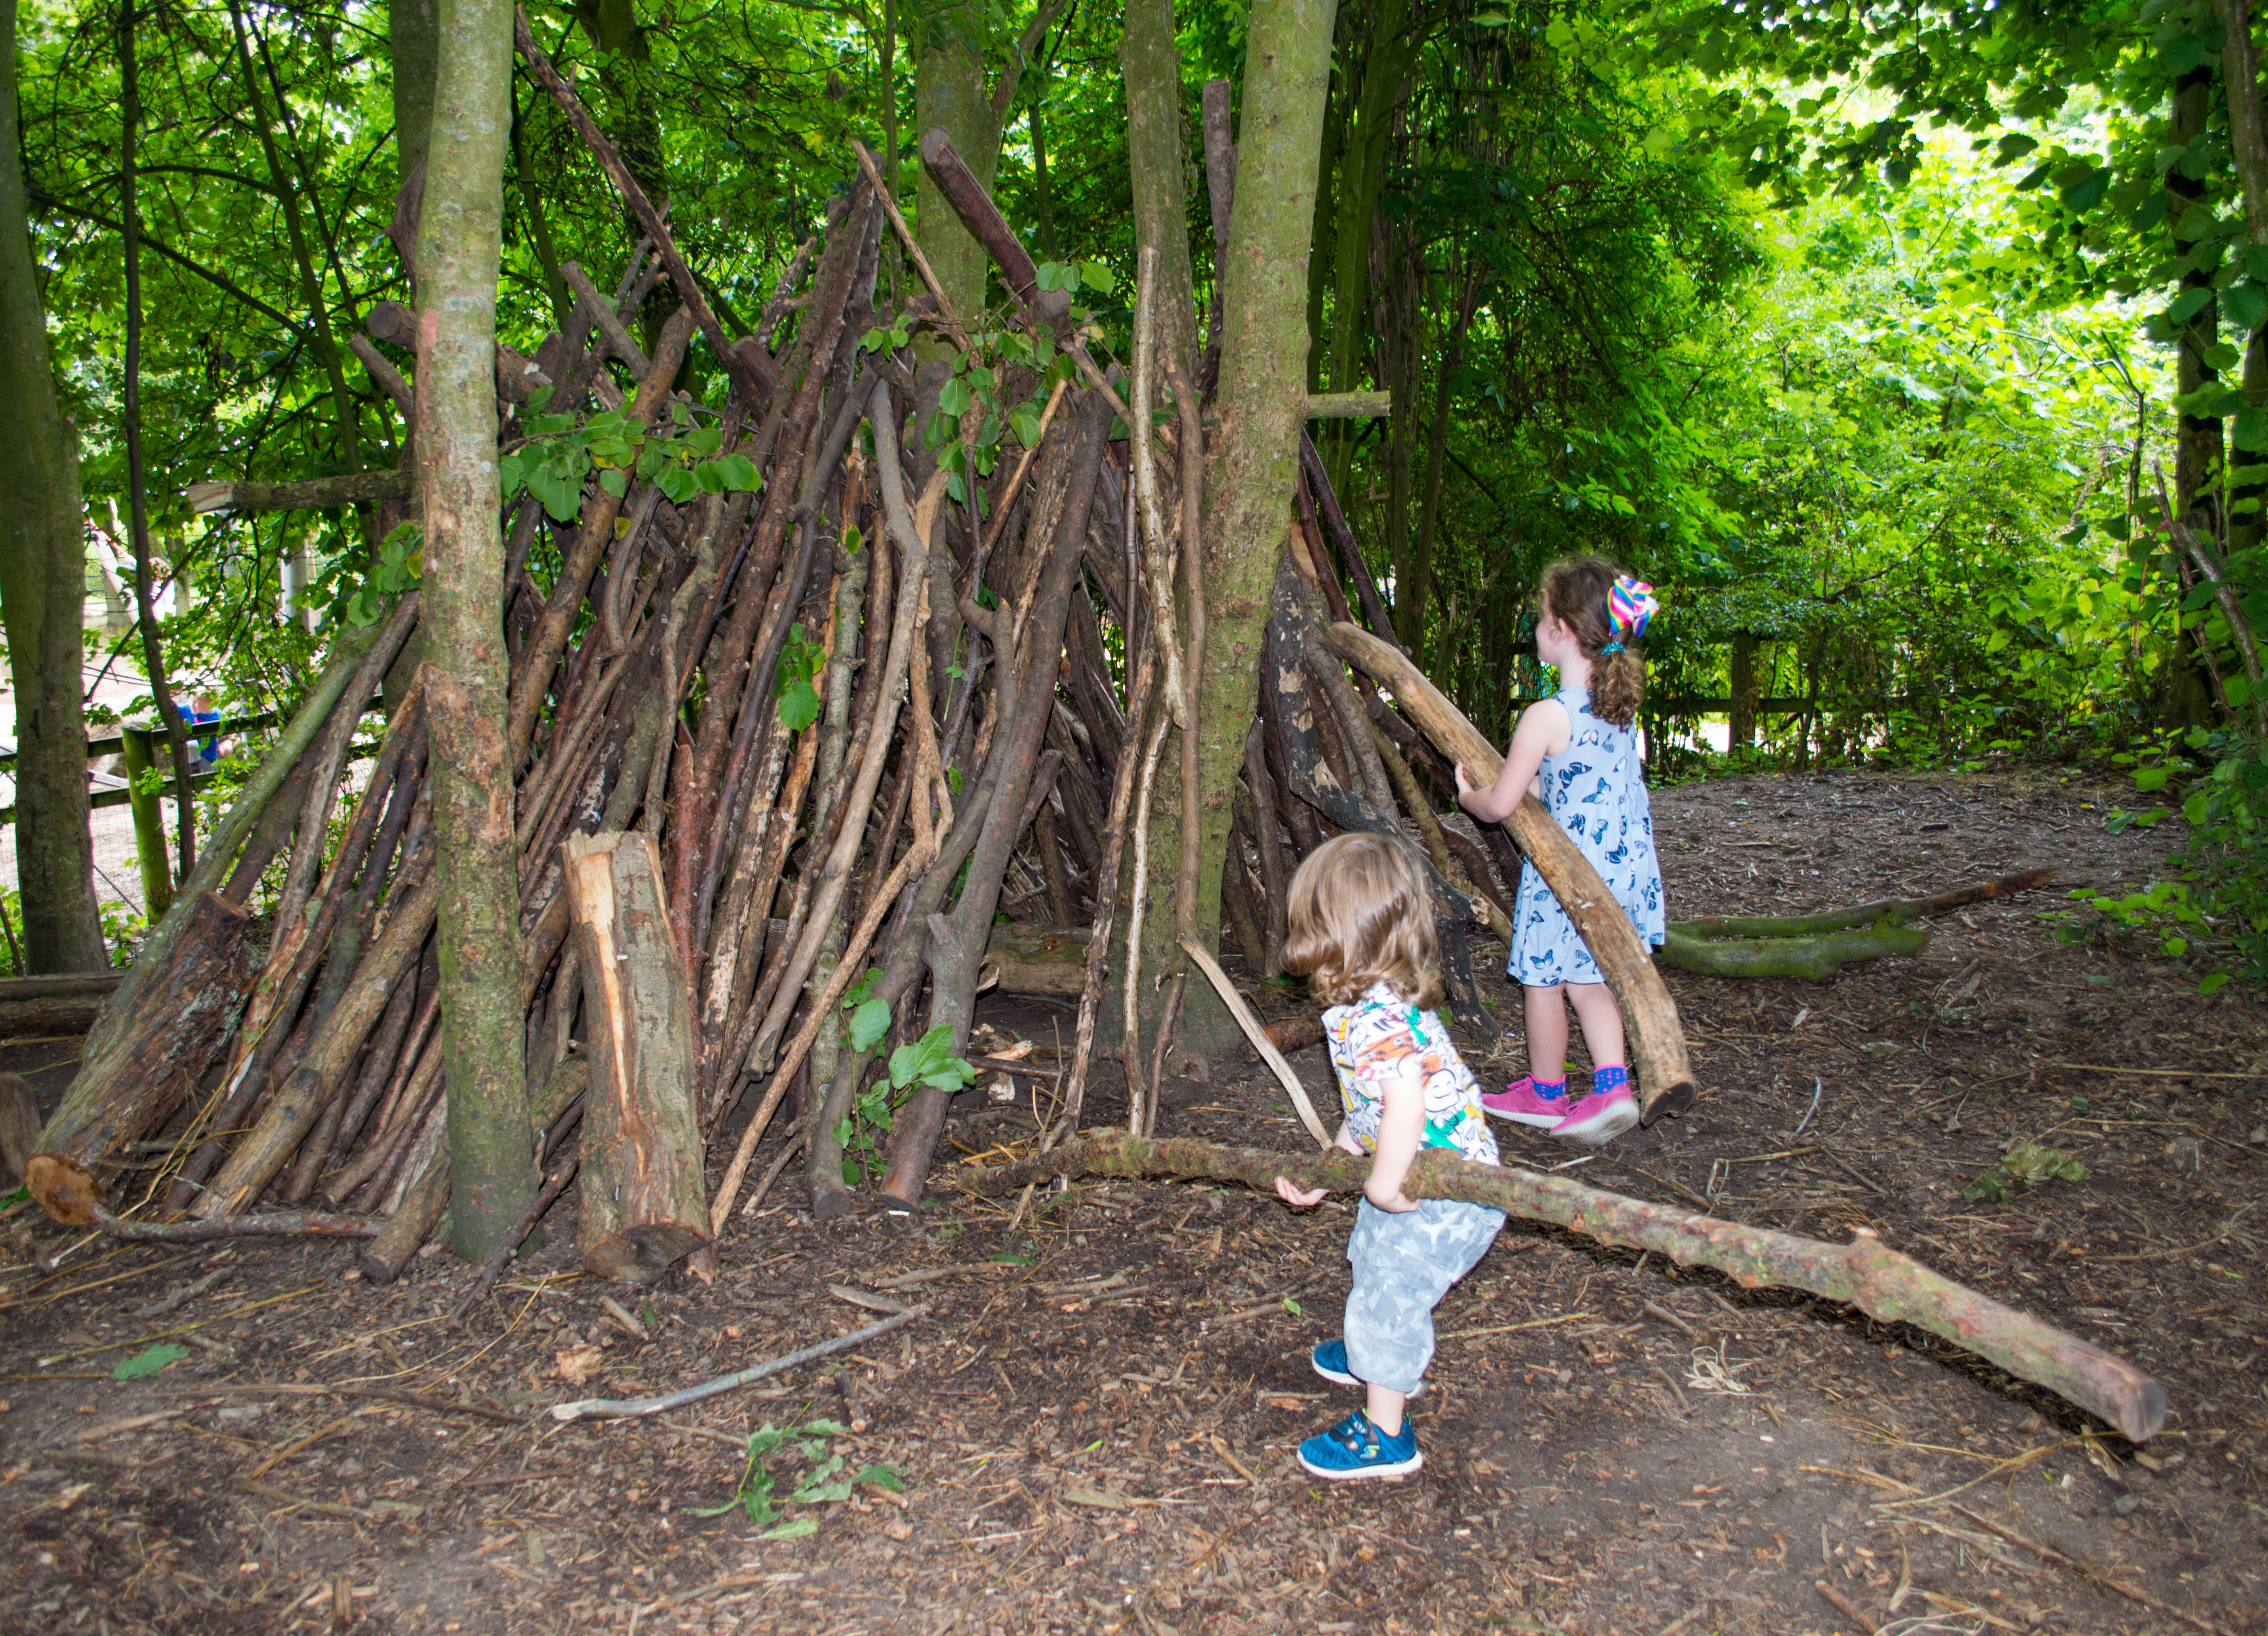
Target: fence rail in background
{"x": 142, "y": 746}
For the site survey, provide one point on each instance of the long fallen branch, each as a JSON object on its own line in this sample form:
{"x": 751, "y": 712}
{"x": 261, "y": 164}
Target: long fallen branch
{"x": 1865, "y": 1273}
{"x": 275, "y": 1224}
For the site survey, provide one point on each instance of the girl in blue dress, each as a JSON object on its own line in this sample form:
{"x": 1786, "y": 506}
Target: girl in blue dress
{"x": 1577, "y": 752}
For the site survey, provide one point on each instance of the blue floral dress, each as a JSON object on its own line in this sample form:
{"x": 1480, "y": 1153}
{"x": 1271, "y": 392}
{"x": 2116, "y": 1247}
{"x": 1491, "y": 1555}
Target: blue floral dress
{"x": 1596, "y": 791}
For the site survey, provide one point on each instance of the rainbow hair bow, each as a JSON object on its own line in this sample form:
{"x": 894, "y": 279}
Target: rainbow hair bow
{"x": 1630, "y": 604}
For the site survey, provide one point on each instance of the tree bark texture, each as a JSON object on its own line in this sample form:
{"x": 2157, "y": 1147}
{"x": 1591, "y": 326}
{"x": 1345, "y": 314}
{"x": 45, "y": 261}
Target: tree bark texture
{"x": 42, "y": 579}
{"x": 181, "y": 1015}
{"x": 1665, "y": 1076}
{"x": 477, "y": 865}
{"x": 1865, "y": 1273}
{"x": 642, "y": 1207}
{"x": 1251, "y": 460}
{"x": 1157, "y": 156}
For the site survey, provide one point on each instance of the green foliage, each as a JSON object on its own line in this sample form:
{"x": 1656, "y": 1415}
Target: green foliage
{"x": 149, "y": 1361}
{"x": 2025, "y": 1164}
{"x": 800, "y": 660}
{"x": 930, "y": 1061}
{"x": 825, "y": 1481}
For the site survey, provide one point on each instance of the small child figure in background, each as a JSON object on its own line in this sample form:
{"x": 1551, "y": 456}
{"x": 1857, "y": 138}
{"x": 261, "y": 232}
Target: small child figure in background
{"x": 1362, "y": 931}
{"x": 1578, "y": 752}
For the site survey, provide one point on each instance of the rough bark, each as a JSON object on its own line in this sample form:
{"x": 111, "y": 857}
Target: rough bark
{"x": 1665, "y": 1076}
{"x": 1252, "y": 457}
{"x": 42, "y": 578}
{"x": 1816, "y": 955}
{"x": 642, "y": 1206}
{"x": 182, "y": 1014}
{"x": 1864, "y": 1273}
{"x": 477, "y": 866}
{"x": 19, "y": 1127}
{"x": 1156, "y": 155}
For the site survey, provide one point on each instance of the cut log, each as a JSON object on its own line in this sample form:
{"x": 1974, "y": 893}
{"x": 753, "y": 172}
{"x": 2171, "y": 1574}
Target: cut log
{"x": 182, "y": 1014}
{"x": 643, "y": 1208}
{"x": 19, "y": 1127}
{"x": 1027, "y": 959}
{"x": 1865, "y": 1273}
{"x": 1814, "y": 957}
{"x": 48, "y": 1019}
{"x": 96, "y": 986}
{"x": 1665, "y": 1076}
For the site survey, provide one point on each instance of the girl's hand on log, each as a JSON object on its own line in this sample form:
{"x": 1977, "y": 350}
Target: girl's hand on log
{"x": 1299, "y": 1198}
{"x": 1464, "y": 784}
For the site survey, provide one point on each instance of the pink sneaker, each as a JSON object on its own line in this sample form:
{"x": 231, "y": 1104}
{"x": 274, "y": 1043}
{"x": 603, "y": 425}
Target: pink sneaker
{"x": 1529, "y": 1103}
{"x": 1598, "y": 1118}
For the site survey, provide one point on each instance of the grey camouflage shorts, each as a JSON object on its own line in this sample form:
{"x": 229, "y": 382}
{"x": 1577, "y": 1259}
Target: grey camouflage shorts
{"x": 1404, "y": 1264}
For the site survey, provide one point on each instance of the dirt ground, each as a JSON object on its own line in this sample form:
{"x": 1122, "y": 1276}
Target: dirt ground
{"x": 1093, "y": 1418}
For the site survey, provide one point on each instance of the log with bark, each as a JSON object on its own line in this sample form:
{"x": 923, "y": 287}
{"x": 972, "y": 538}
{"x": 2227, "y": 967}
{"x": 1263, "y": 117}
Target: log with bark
{"x": 1865, "y": 1273}
{"x": 183, "y": 1015}
{"x": 1814, "y": 946}
{"x": 642, "y": 1204}
{"x": 19, "y": 1126}
{"x": 1666, "y": 1084}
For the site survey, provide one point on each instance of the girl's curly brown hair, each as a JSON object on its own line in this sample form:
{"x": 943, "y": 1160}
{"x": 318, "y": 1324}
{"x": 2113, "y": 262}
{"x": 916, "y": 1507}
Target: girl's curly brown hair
{"x": 1575, "y": 594}
{"x": 1360, "y": 915}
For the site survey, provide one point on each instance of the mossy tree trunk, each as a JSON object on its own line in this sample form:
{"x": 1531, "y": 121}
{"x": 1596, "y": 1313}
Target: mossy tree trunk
{"x": 1252, "y": 458}
{"x": 42, "y": 578}
{"x": 492, "y": 1168}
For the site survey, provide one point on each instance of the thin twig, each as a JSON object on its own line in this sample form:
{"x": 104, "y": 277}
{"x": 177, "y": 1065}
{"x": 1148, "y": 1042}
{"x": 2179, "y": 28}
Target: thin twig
{"x": 608, "y": 1408}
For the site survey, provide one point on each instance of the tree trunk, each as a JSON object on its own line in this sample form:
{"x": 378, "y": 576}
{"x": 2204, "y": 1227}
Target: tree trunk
{"x": 42, "y": 579}
{"x": 482, "y": 1007}
{"x": 181, "y": 1016}
{"x": 137, "y": 486}
{"x": 642, "y": 1204}
{"x": 413, "y": 29}
{"x": 1865, "y": 1273}
{"x": 1158, "y": 155}
{"x": 1251, "y": 462}
{"x": 2198, "y": 438}
{"x": 2248, "y": 130}
{"x": 1743, "y": 735}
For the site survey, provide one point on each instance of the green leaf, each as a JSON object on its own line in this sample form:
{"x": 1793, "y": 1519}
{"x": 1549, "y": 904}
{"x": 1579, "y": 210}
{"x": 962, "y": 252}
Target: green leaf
{"x": 2149, "y": 778}
{"x": 954, "y": 398}
{"x": 615, "y": 480}
{"x": 149, "y": 1361}
{"x": 869, "y": 1023}
{"x": 1097, "y": 278}
{"x": 676, "y": 483}
{"x": 799, "y": 706}
{"x": 2216, "y": 981}
{"x": 1559, "y": 33}
{"x": 795, "y": 1528}
{"x": 930, "y": 1061}
{"x": 2188, "y": 305}
{"x": 878, "y": 1475}
{"x": 709, "y": 477}
{"x": 2086, "y": 193}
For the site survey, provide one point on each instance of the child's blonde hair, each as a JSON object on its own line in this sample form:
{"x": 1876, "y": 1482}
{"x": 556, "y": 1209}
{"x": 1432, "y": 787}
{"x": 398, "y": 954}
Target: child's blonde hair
{"x": 1575, "y": 594}
{"x": 1360, "y": 915}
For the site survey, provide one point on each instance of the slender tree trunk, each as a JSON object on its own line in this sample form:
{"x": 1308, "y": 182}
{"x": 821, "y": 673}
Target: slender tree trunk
{"x": 42, "y": 578}
{"x": 1361, "y": 177}
{"x": 2198, "y": 443}
{"x": 1437, "y": 450}
{"x": 137, "y": 485}
{"x": 492, "y": 1173}
{"x": 413, "y": 28}
{"x": 2247, "y": 129}
{"x": 1049, "y": 244}
{"x": 539, "y": 225}
{"x": 1253, "y": 457}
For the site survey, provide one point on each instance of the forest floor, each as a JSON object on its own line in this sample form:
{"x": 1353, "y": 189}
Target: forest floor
{"x": 1094, "y": 1420}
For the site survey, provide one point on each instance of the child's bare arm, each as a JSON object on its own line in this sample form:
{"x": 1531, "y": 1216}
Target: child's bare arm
{"x": 1543, "y": 731}
{"x": 1401, "y": 1130}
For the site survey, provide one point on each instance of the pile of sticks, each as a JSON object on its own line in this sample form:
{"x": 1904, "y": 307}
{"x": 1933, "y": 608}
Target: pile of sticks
{"x": 702, "y": 882}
